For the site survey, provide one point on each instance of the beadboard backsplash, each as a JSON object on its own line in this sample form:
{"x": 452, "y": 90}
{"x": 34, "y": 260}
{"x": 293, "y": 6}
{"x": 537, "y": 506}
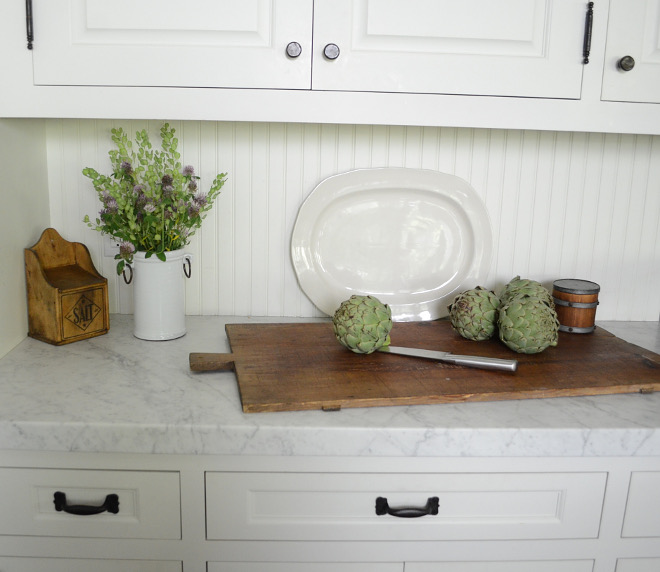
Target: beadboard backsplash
{"x": 562, "y": 205}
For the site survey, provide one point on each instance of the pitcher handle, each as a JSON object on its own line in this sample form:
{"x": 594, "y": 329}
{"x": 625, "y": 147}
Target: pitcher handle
{"x": 130, "y": 279}
{"x": 187, "y": 258}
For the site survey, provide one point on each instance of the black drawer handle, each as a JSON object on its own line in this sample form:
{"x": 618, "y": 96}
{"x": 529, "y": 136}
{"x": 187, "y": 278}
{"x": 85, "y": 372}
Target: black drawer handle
{"x": 431, "y": 507}
{"x": 111, "y": 504}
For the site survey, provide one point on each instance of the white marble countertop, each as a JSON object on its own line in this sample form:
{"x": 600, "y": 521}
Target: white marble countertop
{"x": 115, "y": 393}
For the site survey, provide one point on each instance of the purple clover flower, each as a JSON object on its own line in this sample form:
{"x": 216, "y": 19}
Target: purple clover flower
{"x": 200, "y": 199}
{"x": 126, "y": 249}
{"x": 167, "y": 179}
{"x": 126, "y": 167}
{"x": 111, "y": 205}
{"x": 141, "y": 199}
{"x": 193, "y": 210}
{"x": 189, "y": 170}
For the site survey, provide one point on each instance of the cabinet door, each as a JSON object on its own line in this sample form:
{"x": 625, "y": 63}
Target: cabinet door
{"x": 304, "y": 567}
{"x": 508, "y": 566}
{"x": 633, "y": 31}
{"x": 638, "y": 565}
{"x": 530, "y": 48}
{"x": 644, "y": 492}
{"x": 200, "y": 43}
{"x": 85, "y": 565}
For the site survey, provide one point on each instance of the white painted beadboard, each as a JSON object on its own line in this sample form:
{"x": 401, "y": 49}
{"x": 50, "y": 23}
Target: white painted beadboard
{"x": 562, "y": 205}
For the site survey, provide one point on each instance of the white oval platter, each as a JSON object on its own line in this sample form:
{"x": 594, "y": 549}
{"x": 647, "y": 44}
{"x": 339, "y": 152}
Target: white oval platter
{"x": 414, "y": 238}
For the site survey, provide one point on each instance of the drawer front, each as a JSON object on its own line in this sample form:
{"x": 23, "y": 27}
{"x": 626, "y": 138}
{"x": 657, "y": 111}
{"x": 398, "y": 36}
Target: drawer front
{"x": 85, "y": 565}
{"x": 304, "y": 567}
{"x": 338, "y": 506}
{"x": 149, "y": 503}
{"x": 638, "y": 565}
{"x": 644, "y": 492}
{"x": 508, "y": 566}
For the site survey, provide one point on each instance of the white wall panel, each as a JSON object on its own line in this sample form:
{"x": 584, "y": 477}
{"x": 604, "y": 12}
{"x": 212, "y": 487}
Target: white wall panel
{"x": 562, "y": 205}
{"x": 24, "y": 215}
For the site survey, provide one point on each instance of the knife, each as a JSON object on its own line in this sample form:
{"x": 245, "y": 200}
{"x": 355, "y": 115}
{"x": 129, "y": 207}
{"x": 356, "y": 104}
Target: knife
{"x": 469, "y": 361}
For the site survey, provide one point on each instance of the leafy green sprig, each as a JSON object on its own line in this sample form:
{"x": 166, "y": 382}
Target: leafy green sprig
{"x": 150, "y": 203}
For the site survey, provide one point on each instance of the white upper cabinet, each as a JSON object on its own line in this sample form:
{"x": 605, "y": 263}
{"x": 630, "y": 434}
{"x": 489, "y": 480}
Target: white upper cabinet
{"x": 524, "y": 48}
{"x": 197, "y": 43}
{"x": 508, "y": 64}
{"x": 632, "y": 55}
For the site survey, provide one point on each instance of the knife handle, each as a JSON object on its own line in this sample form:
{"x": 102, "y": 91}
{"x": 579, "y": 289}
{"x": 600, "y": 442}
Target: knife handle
{"x": 483, "y": 362}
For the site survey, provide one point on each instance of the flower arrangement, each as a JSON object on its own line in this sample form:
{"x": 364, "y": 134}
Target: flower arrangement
{"x": 150, "y": 203}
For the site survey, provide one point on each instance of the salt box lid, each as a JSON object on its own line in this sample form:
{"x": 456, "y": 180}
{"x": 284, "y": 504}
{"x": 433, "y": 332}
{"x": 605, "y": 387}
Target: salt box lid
{"x": 576, "y": 286}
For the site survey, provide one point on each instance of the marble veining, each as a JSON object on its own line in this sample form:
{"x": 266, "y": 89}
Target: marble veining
{"x": 115, "y": 393}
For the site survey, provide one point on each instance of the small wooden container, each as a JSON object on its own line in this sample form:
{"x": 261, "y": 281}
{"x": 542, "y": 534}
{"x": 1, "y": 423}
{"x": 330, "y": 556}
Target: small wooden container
{"x": 67, "y": 297}
{"x": 575, "y": 303}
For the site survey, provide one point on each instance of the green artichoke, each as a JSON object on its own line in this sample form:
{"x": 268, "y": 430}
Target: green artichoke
{"x": 528, "y": 324}
{"x": 527, "y": 287}
{"x": 473, "y": 313}
{"x": 362, "y": 324}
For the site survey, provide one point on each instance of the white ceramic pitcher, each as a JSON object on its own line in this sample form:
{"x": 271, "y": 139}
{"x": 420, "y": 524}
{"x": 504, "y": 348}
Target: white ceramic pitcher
{"x": 158, "y": 295}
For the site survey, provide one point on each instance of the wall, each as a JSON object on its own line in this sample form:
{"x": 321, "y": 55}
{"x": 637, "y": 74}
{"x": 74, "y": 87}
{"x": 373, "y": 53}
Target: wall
{"x": 24, "y": 215}
{"x": 562, "y": 205}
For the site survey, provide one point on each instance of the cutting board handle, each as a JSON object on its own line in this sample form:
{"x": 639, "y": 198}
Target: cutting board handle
{"x": 211, "y": 362}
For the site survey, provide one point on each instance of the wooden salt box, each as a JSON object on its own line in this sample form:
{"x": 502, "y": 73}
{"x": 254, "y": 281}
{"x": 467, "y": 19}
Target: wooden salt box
{"x": 67, "y": 297}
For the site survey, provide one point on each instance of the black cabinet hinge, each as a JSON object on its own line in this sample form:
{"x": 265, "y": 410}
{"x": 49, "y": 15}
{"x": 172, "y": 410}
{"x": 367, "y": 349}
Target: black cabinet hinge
{"x": 588, "y": 25}
{"x": 28, "y": 23}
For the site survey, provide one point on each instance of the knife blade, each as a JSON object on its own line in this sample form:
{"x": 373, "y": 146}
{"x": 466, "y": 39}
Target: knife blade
{"x": 468, "y": 361}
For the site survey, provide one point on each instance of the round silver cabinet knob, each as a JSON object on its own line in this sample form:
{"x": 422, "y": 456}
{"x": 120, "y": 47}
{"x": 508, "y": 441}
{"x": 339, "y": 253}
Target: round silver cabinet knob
{"x": 293, "y": 49}
{"x": 331, "y": 51}
{"x": 626, "y": 63}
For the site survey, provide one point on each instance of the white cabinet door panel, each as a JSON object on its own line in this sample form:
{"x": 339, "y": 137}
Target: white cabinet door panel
{"x": 638, "y": 565}
{"x": 508, "y": 566}
{"x": 85, "y": 565}
{"x": 633, "y": 30}
{"x": 640, "y": 520}
{"x": 530, "y": 48}
{"x": 305, "y": 567}
{"x": 198, "y": 43}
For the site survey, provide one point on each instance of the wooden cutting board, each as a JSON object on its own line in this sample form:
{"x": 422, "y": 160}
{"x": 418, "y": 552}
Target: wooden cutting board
{"x": 285, "y": 367}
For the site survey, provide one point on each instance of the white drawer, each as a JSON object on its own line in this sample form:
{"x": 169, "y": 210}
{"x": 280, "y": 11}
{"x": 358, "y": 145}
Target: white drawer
{"x": 508, "y": 566}
{"x": 304, "y": 567}
{"x": 643, "y": 493}
{"x": 85, "y": 565}
{"x": 149, "y": 503}
{"x": 638, "y": 565}
{"x": 340, "y": 506}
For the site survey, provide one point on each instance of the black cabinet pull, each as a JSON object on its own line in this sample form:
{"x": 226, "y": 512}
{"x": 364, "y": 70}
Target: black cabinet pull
{"x": 111, "y": 504}
{"x": 28, "y": 23}
{"x": 588, "y": 27}
{"x": 431, "y": 507}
